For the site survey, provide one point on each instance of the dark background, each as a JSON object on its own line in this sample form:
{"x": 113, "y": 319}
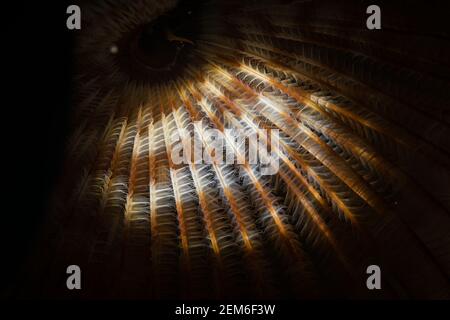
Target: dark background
{"x": 36, "y": 70}
{"x": 36, "y": 56}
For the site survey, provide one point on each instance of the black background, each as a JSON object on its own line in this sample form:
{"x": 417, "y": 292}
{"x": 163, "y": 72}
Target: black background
{"x": 36, "y": 49}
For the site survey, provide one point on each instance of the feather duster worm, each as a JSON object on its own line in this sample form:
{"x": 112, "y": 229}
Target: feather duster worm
{"x": 363, "y": 152}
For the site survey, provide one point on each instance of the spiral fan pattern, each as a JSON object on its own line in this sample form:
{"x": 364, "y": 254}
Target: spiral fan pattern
{"x": 363, "y": 154}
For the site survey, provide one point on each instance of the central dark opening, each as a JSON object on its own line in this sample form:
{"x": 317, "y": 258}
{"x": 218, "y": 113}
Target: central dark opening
{"x": 162, "y": 48}
{"x": 158, "y": 46}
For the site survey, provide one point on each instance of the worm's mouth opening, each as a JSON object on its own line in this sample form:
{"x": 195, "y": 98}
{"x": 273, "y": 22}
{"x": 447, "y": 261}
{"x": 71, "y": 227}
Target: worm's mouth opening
{"x": 161, "y": 49}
